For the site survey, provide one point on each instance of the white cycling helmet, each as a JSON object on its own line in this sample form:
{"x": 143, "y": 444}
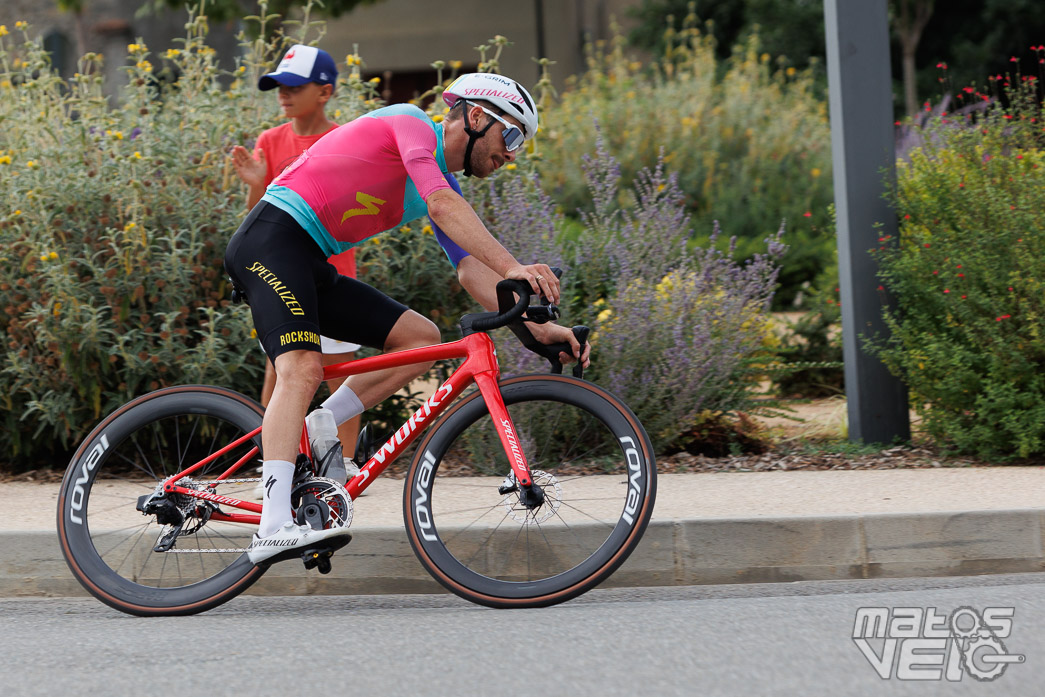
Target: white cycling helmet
{"x": 503, "y": 92}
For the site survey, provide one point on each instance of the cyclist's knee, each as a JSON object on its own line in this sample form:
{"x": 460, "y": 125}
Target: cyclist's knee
{"x": 411, "y": 331}
{"x": 301, "y": 370}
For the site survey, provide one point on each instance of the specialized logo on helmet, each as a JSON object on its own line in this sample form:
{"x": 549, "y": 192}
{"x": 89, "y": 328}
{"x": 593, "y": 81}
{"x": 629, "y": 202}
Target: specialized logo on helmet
{"x": 487, "y": 93}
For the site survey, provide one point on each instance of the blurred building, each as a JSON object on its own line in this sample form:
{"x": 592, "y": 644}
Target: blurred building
{"x": 107, "y": 27}
{"x": 397, "y": 39}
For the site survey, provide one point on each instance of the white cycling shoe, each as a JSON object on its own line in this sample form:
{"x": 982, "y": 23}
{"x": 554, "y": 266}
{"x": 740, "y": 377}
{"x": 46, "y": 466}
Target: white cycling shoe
{"x": 290, "y": 538}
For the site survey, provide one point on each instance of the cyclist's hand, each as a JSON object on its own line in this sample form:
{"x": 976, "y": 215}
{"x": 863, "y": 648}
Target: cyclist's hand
{"x": 540, "y": 277}
{"x": 251, "y": 171}
{"x": 552, "y": 333}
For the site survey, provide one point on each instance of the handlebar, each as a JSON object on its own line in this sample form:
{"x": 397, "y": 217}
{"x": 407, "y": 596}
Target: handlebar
{"x": 513, "y": 313}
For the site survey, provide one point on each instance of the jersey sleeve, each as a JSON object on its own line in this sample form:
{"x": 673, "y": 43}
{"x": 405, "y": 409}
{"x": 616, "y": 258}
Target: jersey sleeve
{"x": 452, "y": 250}
{"x": 417, "y": 145}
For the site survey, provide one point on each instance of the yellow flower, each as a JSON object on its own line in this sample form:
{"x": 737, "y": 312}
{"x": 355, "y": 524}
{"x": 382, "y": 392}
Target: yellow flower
{"x": 375, "y": 80}
{"x": 118, "y": 135}
{"x": 5, "y": 83}
{"x": 18, "y": 212}
{"x": 133, "y": 48}
{"x": 5, "y": 160}
{"x": 815, "y": 172}
{"x": 57, "y": 309}
{"x": 456, "y": 65}
{"x": 510, "y": 165}
{"x": 253, "y": 333}
{"x": 405, "y": 228}
{"x": 337, "y": 113}
{"x": 130, "y": 226}
{"x": 174, "y": 53}
{"x": 53, "y": 255}
{"x": 31, "y": 164}
{"x": 3, "y": 30}
{"x": 427, "y": 229}
{"x": 144, "y": 65}
{"x": 21, "y": 25}
{"x": 137, "y": 155}
{"x": 43, "y": 257}
{"x": 791, "y": 72}
{"x": 438, "y": 118}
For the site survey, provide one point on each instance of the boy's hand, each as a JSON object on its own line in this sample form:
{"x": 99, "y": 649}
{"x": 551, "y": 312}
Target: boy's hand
{"x": 251, "y": 171}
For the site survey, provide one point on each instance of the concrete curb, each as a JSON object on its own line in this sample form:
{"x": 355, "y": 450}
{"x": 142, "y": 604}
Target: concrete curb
{"x": 673, "y": 552}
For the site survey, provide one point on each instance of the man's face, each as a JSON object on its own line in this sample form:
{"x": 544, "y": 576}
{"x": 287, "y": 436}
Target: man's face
{"x": 303, "y": 100}
{"x": 489, "y": 152}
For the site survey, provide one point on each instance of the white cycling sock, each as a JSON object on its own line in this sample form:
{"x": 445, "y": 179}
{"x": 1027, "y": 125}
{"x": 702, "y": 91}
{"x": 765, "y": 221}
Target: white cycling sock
{"x": 344, "y": 404}
{"x": 277, "y": 476}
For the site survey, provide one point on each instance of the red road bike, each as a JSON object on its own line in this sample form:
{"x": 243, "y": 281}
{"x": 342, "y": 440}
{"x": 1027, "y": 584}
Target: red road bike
{"x": 561, "y": 483}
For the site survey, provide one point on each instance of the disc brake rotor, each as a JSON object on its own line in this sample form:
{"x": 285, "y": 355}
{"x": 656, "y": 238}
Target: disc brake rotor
{"x": 524, "y": 515}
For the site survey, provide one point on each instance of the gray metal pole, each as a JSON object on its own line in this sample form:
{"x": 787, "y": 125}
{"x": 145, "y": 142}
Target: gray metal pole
{"x": 860, "y": 90}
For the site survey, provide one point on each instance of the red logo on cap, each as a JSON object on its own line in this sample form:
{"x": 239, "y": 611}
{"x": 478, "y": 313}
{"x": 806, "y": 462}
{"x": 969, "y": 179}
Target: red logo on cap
{"x": 288, "y": 56}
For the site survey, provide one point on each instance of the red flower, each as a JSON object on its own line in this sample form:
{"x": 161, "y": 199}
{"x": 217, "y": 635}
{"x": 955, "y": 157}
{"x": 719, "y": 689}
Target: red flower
{"x": 807, "y": 214}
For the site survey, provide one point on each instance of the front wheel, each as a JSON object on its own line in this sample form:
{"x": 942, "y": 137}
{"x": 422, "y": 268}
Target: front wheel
{"x": 473, "y": 528}
{"x": 147, "y": 564}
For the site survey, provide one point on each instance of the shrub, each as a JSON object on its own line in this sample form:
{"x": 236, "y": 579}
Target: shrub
{"x": 117, "y": 216}
{"x": 114, "y": 224}
{"x": 678, "y": 336}
{"x": 750, "y": 144}
{"x": 967, "y": 276}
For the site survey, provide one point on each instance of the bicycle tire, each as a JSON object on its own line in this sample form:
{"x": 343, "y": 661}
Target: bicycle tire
{"x": 582, "y": 444}
{"x": 108, "y": 543}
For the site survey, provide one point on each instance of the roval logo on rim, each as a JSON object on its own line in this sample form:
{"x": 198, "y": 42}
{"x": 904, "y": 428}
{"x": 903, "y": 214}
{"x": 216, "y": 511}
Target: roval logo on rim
{"x": 89, "y": 463}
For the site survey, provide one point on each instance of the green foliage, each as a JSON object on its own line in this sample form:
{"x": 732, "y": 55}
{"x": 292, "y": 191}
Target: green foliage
{"x": 113, "y": 229}
{"x": 968, "y": 276}
{"x": 811, "y": 352}
{"x": 750, "y": 149}
{"x": 117, "y": 216}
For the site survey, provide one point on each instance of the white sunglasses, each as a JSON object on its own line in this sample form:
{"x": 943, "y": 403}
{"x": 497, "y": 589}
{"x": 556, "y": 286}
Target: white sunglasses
{"x": 513, "y": 135}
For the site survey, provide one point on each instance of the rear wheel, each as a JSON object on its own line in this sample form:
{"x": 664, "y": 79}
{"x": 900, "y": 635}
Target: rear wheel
{"x": 476, "y": 531}
{"x": 110, "y": 545}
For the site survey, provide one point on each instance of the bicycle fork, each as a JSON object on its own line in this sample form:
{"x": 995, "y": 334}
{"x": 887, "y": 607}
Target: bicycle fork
{"x": 529, "y": 495}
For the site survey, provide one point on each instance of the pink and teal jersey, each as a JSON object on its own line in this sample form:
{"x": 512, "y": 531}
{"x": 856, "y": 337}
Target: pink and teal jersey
{"x": 369, "y": 176}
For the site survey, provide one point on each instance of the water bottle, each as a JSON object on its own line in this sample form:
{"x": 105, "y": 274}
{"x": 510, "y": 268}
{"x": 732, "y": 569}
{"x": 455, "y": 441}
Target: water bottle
{"x": 326, "y": 448}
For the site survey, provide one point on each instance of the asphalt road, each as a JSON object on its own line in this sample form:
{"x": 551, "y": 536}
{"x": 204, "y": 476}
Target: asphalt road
{"x": 752, "y": 639}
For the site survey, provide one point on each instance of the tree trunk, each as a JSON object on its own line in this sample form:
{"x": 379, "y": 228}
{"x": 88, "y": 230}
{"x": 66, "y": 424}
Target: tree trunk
{"x": 909, "y": 29}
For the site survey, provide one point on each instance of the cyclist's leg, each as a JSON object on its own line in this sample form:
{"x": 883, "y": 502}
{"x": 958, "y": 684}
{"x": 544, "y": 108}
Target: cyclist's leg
{"x": 351, "y": 310}
{"x": 281, "y": 269}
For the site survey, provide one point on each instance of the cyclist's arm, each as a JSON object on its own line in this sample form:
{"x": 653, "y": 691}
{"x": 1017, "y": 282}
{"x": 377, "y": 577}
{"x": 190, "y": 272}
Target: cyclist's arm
{"x": 452, "y": 250}
{"x": 481, "y": 281}
{"x": 453, "y": 214}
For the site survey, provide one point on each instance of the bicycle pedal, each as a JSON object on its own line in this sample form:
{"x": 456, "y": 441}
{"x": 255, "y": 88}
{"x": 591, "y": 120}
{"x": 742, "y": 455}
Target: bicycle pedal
{"x": 319, "y": 557}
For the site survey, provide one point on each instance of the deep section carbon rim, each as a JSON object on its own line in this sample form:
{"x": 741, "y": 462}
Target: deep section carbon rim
{"x": 110, "y": 545}
{"x": 471, "y": 526}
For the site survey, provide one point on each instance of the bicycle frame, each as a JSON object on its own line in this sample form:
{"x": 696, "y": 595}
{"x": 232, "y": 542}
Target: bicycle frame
{"x": 480, "y": 366}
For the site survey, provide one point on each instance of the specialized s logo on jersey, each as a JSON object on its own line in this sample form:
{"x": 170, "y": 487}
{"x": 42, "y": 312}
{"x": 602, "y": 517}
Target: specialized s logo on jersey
{"x": 370, "y": 206}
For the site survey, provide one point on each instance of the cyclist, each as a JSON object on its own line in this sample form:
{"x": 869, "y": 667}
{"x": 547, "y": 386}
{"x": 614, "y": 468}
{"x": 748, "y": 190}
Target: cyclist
{"x": 369, "y": 176}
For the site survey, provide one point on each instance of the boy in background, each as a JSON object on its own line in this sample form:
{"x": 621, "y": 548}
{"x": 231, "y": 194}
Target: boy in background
{"x": 305, "y": 78}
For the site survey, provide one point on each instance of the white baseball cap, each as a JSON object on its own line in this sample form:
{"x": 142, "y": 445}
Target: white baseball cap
{"x": 300, "y": 65}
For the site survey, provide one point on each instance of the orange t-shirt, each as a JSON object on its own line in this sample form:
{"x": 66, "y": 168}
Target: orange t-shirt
{"x": 282, "y": 147}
